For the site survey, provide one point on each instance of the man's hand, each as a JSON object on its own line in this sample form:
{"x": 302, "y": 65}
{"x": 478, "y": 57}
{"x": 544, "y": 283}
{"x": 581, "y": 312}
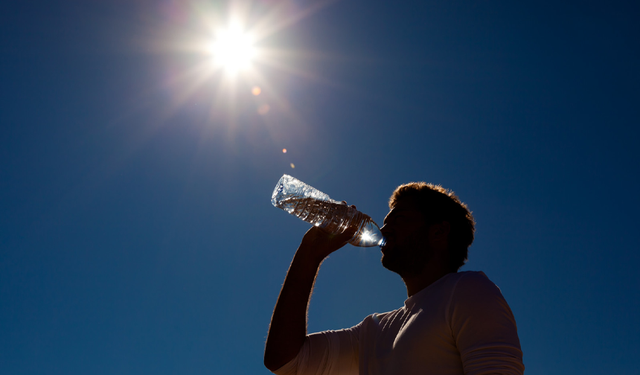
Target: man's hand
{"x": 318, "y": 243}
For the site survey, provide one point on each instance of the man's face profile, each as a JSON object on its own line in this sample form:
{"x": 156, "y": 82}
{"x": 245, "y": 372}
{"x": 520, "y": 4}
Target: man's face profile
{"x": 407, "y": 247}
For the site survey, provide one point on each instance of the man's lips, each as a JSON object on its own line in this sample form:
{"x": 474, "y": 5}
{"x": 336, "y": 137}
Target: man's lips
{"x": 387, "y": 242}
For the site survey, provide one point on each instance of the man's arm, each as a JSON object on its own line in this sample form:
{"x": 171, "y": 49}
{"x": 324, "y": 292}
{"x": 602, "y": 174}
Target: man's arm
{"x": 288, "y": 329}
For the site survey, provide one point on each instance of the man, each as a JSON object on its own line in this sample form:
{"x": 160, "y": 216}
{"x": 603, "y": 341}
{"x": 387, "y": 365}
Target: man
{"x": 452, "y": 322}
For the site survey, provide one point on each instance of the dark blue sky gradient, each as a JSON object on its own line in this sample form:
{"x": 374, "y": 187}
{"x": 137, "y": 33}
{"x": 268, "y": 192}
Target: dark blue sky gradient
{"x": 136, "y": 231}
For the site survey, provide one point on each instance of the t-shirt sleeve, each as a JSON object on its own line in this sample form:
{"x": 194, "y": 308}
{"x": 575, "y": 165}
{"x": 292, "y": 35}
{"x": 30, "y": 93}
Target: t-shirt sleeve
{"x": 326, "y": 353}
{"x": 484, "y": 328}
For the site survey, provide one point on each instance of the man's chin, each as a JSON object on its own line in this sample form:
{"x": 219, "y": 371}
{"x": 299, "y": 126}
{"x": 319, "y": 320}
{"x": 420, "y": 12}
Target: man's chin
{"x": 389, "y": 263}
{"x": 401, "y": 266}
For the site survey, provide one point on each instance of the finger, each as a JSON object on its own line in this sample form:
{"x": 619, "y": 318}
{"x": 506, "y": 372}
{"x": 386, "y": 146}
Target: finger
{"x": 348, "y": 234}
{"x": 339, "y": 241}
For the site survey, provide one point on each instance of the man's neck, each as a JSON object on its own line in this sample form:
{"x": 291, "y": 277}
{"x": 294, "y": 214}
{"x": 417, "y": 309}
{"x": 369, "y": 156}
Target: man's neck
{"x": 416, "y": 283}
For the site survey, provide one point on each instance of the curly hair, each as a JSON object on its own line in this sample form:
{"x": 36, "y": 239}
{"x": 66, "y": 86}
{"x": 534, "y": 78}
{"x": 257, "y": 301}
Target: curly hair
{"x": 438, "y": 204}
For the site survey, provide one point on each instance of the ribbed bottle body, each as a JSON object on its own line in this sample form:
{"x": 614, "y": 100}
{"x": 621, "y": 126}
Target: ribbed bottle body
{"x": 315, "y": 207}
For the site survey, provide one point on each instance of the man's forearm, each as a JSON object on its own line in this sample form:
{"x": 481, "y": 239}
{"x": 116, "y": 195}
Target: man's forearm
{"x": 288, "y": 329}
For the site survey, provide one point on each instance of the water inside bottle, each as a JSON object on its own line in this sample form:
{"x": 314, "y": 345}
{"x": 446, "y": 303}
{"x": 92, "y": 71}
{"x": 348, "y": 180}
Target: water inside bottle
{"x": 318, "y": 213}
{"x": 323, "y": 214}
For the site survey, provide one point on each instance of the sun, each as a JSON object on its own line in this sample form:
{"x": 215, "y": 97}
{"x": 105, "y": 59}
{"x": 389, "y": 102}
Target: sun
{"x": 212, "y": 55}
{"x": 233, "y": 49}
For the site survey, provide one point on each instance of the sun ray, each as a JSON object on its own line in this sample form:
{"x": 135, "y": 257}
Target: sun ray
{"x": 269, "y": 58}
{"x": 274, "y": 21}
{"x": 212, "y": 52}
{"x": 187, "y": 84}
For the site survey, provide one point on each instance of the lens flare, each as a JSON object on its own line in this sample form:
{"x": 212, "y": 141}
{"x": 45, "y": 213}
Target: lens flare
{"x": 264, "y": 109}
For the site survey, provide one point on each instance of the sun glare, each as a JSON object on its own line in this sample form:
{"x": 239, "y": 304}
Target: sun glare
{"x": 214, "y": 54}
{"x": 233, "y": 49}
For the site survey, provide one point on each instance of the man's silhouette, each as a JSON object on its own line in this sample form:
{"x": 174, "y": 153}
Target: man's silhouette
{"x": 451, "y": 323}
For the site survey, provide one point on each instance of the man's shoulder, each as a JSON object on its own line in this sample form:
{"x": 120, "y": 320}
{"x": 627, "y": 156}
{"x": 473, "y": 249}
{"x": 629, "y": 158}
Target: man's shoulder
{"x": 471, "y": 278}
{"x": 475, "y": 287}
{"x": 456, "y": 280}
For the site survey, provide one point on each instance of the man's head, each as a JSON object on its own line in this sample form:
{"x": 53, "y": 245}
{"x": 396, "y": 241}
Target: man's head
{"x": 420, "y": 212}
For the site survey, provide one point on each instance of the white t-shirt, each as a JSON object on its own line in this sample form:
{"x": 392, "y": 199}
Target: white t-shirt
{"x": 461, "y": 324}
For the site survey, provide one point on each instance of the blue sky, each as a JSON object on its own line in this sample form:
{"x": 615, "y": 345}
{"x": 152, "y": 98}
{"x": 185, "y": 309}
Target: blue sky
{"x": 136, "y": 231}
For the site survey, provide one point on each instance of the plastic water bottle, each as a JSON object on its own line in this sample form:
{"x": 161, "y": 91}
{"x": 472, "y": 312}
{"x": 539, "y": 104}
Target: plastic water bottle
{"x": 315, "y": 207}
